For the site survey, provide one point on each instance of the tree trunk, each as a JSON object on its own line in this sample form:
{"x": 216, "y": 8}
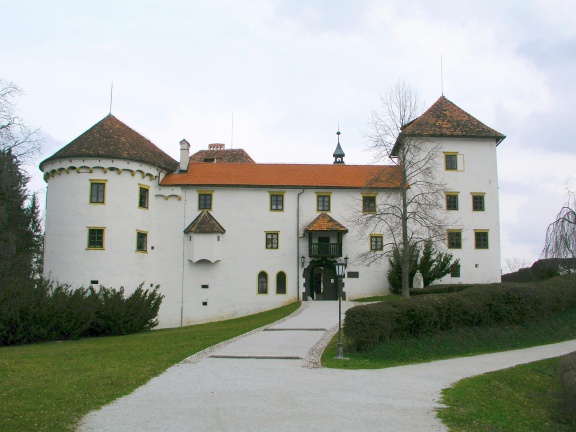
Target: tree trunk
{"x": 406, "y": 252}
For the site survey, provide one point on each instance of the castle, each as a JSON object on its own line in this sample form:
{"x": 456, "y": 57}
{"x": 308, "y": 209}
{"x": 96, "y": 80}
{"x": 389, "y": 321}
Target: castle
{"x": 225, "y": 236}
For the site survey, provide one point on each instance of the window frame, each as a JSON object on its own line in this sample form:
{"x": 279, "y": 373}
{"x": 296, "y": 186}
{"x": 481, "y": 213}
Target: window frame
{"x": 324, "y": 196}
{"x": 479, "y": 244}
{"x": 94, "y": 182}
{"x": 140, "y": 233}
{"x": 450, "y": 232}
{"x": 89, "y": 246}
{"x": 374, "y": 237}
{"x": 372, "y": 197}
{"x": 143, "y": 187}
{"x": 452, "y": 195}
{"x": 456, "y": 270}
{"x": 281, "y": 272}
{"x": 272, "y": 245}
{"x": 258, "y": 285}
{"x": 205, "y": 193}
{"x": 476, "y": 195}
{"x": 273, "y": 195}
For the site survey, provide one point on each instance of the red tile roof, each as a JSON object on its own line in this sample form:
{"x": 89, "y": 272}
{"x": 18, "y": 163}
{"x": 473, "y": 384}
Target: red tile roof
{"x": 287, "y": 175}
{"x": 222, "y": 156}
{"x": 110, "y": 138}
{"x": 445, "y": 119}
{"x": 325, "y": 222}
{"x": 205, "y": 223}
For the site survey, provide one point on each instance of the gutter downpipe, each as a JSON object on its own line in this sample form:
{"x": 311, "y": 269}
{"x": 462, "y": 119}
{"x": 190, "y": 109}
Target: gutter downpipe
{"x": 183, "y": 261}
{"x": 298, "y": 245}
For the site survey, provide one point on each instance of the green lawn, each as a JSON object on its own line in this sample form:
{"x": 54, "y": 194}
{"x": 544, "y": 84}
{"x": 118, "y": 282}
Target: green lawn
{"x": 524, "y": 398}
{"x": 50, "y": 386}
{"x": 457, "y": 343}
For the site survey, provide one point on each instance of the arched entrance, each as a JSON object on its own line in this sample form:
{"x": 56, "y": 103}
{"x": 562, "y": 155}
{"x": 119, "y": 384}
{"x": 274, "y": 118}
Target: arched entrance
{"x": 320, "y": 280}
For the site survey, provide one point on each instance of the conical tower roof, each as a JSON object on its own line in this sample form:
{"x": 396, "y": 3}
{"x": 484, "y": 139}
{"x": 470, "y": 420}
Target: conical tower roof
{"x": 110, "y": 138}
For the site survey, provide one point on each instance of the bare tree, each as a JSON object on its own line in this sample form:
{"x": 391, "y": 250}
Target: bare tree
{"x": 22, "y": 142}
{"x": 561, "y": 234}
{"x": 413, "y": 211}
{"x": 515, "y": 264}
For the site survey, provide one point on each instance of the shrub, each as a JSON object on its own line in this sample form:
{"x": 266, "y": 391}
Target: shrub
{"x": 41, "y": 311}
{"x": 567, "y": 375}
{"x": 481, "y": 305}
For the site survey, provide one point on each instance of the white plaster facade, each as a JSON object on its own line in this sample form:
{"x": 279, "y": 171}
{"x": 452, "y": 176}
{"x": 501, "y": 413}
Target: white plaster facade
{"x": 209, "y": 276}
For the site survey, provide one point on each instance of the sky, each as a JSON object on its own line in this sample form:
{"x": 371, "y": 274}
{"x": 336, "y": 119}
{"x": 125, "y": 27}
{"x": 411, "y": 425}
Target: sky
{"x": 278, "y": 78}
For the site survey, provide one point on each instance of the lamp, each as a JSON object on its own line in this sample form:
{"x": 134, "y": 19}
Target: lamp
{"x": 302, "y": 260}
{"x": 340, "y": 268}
{"x": 346, "y": 261}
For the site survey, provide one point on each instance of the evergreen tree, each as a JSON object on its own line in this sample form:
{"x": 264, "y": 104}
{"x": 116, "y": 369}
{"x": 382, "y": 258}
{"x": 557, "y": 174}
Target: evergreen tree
{"x": 395, "y": 268}
{"x": 434, "y": 265}
{"x": 17, "y": 242}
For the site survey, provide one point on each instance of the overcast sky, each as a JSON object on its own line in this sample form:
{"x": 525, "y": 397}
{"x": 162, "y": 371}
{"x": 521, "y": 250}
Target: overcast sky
{"x": 289, "y": 72}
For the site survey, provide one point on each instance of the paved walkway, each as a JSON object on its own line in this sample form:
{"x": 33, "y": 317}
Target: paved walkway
{"x": 266, "y": 381}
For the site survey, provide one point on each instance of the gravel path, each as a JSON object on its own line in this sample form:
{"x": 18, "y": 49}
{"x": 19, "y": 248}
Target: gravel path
{"x": 270, "y": 380}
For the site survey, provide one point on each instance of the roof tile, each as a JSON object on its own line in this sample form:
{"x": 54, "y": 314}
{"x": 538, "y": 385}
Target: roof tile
{"x": 325, "y": 222}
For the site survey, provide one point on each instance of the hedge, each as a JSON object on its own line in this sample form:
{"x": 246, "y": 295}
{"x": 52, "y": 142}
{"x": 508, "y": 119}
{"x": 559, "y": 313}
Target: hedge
{"x": 567, "y": 375}
{"x": 480, "y": 305}
{"x": 42, "y": 311}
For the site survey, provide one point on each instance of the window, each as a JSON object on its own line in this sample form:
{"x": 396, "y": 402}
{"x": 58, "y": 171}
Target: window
{"x": 323, "y": 202}
{"x": 478, "y": 202}
{"x": 141, "y": 241}
{"x": 451, "y": 161}
{"x": 451, "y": 201}
{"x": 95, "y": 238}
{"x": 481, "y": 239}
{"x": 262, "y": 283}
{"x": 281, "y": 283}
{"x": 368, "y": 203}
{"x": 454, "y": 239}
{"x": 143, "y": 194}
{"x": 376, "y": 242}
{"x": 97, "y": 191}
{"x": 204, "y": 200}
{"x": 455, "y": 270}
{"x": 276, "y": 202}
{"x": 272, "y": 240}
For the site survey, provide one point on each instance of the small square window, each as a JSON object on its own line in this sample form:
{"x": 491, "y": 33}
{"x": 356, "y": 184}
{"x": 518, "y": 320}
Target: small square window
{"x": 143, "y": 194}
{"x": 272, "y": 240}
{"x": 323, "y": 202}
{"x": 205, "y": 201}
{"x": 95, "y": 238}
{"x": 141, "y": 241}
{"x": 368, "y": 204}
{"x": 376, "y": 242}
{"x": 276, "y": 202}
{"x": 451, "y": 162}
{"x": 481, "y": 239}
{"x": 451, "y": 201}
{"x": 454, "y": 239}
{"x": 455, "y": 270}
{"x": 97, "y": 192}
{"x": 478, "y": 202}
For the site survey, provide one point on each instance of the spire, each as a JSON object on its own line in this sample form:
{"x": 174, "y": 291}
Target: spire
{"x": 338, "y": 153}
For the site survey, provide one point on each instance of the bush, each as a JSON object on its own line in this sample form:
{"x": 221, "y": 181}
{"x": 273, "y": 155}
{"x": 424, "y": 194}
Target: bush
{"x": 481, "y": 305}
{"x": 438, "y": 289}
{"x": 567, "y": 375}
{"x": 35, "y": 312}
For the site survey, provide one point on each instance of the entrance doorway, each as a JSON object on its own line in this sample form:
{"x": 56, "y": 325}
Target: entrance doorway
{"x": 321, "y": 281}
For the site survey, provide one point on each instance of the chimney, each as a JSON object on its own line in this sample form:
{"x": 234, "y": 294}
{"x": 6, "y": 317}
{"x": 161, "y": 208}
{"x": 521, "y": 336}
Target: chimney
{"x": 184, "y": 155}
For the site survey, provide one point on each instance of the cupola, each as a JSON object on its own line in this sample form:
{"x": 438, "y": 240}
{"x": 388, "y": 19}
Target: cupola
{"x": 338, "y": 153}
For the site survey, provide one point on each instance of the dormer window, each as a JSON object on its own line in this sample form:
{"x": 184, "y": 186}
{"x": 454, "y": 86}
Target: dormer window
{"x": 209, "y": 160}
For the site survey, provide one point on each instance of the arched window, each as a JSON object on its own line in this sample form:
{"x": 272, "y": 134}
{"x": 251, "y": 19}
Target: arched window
{"x": 262, "y": 283}
{"x": 281, "y": 283}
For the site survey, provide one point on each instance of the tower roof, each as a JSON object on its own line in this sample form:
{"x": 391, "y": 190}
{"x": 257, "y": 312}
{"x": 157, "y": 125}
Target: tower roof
{"x": 446, "y": 119}
{"x": 110, "y": 138}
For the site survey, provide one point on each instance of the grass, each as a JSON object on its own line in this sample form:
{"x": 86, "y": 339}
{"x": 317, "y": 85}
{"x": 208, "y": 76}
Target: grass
{"x": 523, "y": 398}
{"x": 377, "y": 298}
{"x": 50, "y": 386}
{"x": 457, "y": 343}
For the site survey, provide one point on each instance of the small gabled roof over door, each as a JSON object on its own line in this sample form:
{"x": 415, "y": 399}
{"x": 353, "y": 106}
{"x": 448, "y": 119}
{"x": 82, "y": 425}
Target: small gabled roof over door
{"x": 325, "y": 222}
